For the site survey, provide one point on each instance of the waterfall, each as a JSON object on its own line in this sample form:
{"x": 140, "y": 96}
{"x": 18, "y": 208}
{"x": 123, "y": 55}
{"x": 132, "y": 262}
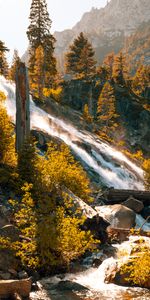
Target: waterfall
{"x": 112, "y": 167}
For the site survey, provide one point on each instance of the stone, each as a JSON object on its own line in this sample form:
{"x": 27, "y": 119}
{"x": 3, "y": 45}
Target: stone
{"x": 9, "y": 287}
{"x": 5, "y": 276}
{"x": 7, "y": 260}
{"x": 117, "y": 215}
{"x": 146, "y": 213}
{"x": 3, "y": 216}
{"x": 11, "y": 232}
{"x": 22, "y": 275}
{"x": 134, "y": 204}
{"x": 13, "y": 273}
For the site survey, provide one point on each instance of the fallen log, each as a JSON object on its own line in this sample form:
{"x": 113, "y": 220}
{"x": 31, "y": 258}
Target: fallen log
{"x": 9, "y": 288}
{"x": 115, "y": 196}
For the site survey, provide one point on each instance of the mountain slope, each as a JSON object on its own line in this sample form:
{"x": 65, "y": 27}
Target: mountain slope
{"x": 106, "y": 27}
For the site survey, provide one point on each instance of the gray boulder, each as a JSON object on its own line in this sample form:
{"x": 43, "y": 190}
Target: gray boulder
{"x": 133, "y": 204}
{"x": 119, "y": 216}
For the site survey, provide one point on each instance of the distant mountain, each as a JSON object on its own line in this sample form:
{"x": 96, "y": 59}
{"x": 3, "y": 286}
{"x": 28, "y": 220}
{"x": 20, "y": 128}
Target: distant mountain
{"x": 107, "y": 28}
{"x": 138, "y": 46}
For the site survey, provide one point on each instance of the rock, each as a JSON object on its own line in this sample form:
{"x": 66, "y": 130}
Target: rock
{"x": 117, "y": 215}
{"x": 3, "y": 216}
{"x": 16, "y": 296}
{"x": 22, "y": 275}
{"x": 11, "y": 232}
{"x": 9, "y": 287}
{"x": 13, "y": 273}
{"x": 7, "y": 260}
{"x": 97, "y": 262}
{"x": 5, "y": 276}
{"x": 146, "y": 213}
{"x": 133, "y": 204}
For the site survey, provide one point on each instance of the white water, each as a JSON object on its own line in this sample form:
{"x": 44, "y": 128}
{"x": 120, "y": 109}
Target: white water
{"x": 113, "y": 167}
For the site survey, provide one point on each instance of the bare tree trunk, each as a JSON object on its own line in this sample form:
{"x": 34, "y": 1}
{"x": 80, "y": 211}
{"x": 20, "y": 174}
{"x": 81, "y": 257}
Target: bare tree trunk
{"x": 22, "y": 106}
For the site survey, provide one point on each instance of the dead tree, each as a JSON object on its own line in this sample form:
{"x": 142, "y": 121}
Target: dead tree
{"x": 22, "y": 106}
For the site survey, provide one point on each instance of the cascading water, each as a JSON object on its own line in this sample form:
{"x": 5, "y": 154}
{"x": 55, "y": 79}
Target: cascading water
{"x": 113, "y": 168}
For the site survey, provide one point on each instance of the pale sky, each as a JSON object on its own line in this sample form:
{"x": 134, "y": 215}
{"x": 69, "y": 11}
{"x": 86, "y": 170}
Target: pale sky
{"x": 14, "y": 18}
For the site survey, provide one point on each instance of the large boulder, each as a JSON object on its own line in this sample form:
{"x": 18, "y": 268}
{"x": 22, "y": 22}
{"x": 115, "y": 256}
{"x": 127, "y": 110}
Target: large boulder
{"x": 117, "y": 215}
{"x": 9, "y": 287}
{"x": 134, "y": 204}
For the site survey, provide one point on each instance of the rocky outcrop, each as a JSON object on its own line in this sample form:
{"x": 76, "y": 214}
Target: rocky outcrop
{"x": 106, "y": 27}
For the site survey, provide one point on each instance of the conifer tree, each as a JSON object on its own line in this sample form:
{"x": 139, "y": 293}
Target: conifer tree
{"x": 3, "y": 60}
{"x": 141, "y": 80}
{"x": 106, "y": 106}
{"x": 39, "y": 35}
{"x": 15, "y": 61}
{"x": 119, "y": 72}
{"x": 37, "y": 82}
{"x": 80, "y": 58}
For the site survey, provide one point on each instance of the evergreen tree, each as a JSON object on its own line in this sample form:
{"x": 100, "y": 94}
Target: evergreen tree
{"x": 39, "y": 35}
{"x": 108, "y": 65}
{"x": 141, "y": 80}
{"x": 106, "y": 109}
{"x": 119, "y": 71}
{"x": 15, "y": 61}
{"x": 37, "y": 82}
{"x": 3, "y": 60}
{"x": 80, "y": 59}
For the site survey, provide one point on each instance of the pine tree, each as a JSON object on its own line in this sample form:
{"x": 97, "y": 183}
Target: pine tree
{"x": 39, "y": 35}
{"x": 80, "y": 59}
{"x": 108, "y": 64}
{"x": 141, "y": 80}
{"x": 3, "y": 60}
{"x": 120, "y": 73}
{"x": 15, "y": 61}
{"x": 37, "y": 82}
{"x": 106, "y": 109}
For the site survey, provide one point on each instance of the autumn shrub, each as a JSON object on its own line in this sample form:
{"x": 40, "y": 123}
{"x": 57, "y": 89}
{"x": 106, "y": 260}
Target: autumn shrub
{"x": 7, "y": 139}
{"x": 56, "y": 94}
{"x": 137, "y": 269}
{"x": 146, "y": 167}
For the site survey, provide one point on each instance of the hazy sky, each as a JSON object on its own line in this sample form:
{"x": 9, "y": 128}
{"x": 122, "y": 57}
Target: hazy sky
{"x": 14, "y": 18}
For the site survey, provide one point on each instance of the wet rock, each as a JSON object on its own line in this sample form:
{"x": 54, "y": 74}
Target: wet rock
{"x": 134, "y": 204}
{"x": 70, "y": 286}
{"x": 146, "y": 213}
{"x": 117, "y": 215}
{"x": 97, "y": 262}
{"x": 22, "y": 275}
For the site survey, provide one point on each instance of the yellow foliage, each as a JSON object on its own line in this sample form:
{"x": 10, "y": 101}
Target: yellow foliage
{"x": 138, "y": 267}
{"x": 53, "y": 93}
{"x": 7, "y": 140}
{"x": 146, "y": 167}
{"x": 86, "y": 114}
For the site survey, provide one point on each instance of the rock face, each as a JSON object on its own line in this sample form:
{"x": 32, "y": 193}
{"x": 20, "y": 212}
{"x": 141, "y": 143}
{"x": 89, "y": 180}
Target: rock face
{"x": 134, "y": 204}
{"x": 106, "y": 27}
{"x": 117, "y": 215}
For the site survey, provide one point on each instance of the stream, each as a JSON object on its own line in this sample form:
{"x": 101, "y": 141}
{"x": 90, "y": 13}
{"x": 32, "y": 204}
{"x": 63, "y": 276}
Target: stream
{"x": 110, "y": 167}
